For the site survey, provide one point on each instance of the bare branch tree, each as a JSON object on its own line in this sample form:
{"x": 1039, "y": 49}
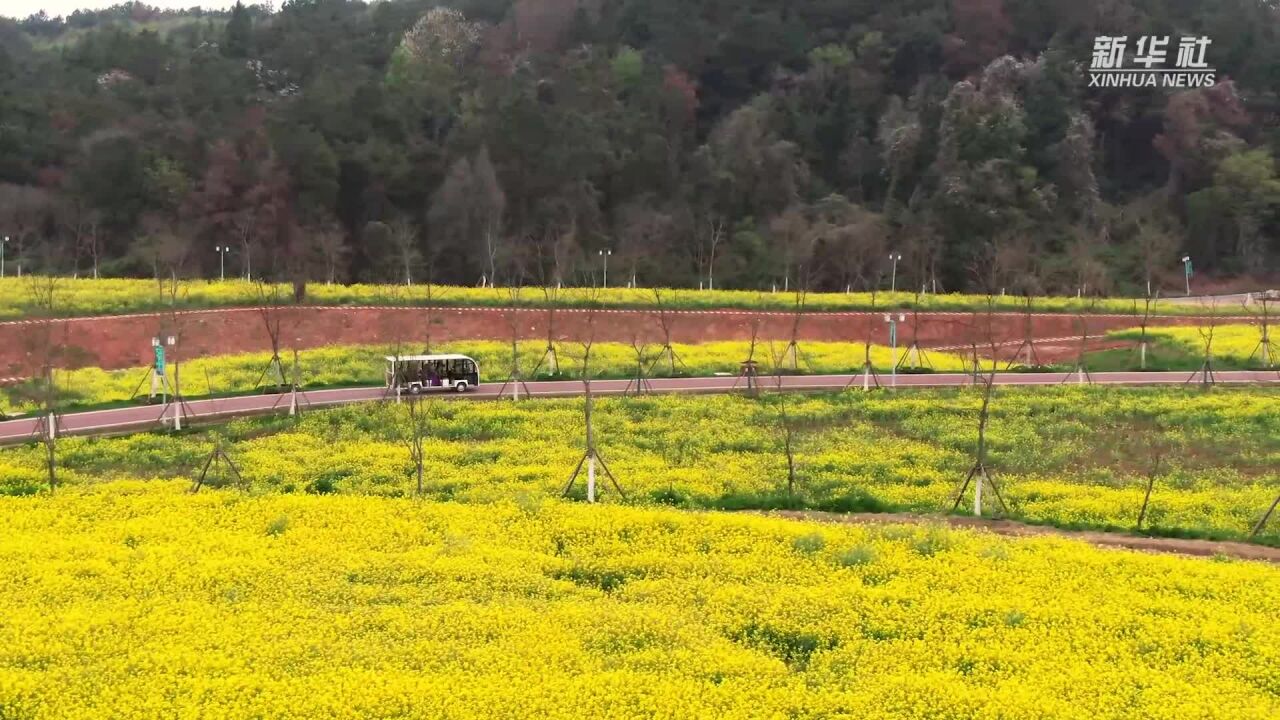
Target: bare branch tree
{"x": 404, "y": 237}
{"x": 1264, "y": 350}
{"x": 551, "y": 298}
{"x": 1148, "y": 440}
{"x": 1028, "y": 346}
{"x": 869, "y": 374}
{"x": 984, "y": 323}
{"x": 640, "y": 382}
{"x": 1082, "y": 315}
{"x": 171, "y": 326}
{"x": 271, "y": 309}
{"x": 749, "y": 370}
{"x": 512, "y": 315}
{"x": 1144, "y": 322}
{"x": 23, "y": 210}
{"x": 46, "y": 339}
{"x": 591, "y": 456}
{"x": 785, "y": 424}
{"x": 792, "y": 353}
{"x": 417, "y": 425}
{"x": 664, "y": 323}
{"x": 915, "y": 358}
{"x": 330, "y": 243}
{"x": 1207, "y": 329}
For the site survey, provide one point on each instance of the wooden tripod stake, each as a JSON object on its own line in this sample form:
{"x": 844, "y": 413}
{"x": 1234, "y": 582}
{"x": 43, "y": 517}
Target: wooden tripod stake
{"x": 1264, "y": 345}
{"x": 217, "y": 456}
{"x": 296, "y": 398}
{"x": 640, "y": 382}
{"x": 1028, "y": 339}
{"x": 590, "y": 458}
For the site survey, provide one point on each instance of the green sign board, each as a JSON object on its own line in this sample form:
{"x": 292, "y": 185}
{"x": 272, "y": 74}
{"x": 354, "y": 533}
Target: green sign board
{"x": 159, "y": 359}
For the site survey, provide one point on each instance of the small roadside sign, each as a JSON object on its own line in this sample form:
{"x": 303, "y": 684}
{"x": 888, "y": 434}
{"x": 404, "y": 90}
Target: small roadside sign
{"x": 159, "y": 359}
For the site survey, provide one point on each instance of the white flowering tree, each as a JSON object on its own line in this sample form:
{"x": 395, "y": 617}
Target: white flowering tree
{"x": 425, "y": 67}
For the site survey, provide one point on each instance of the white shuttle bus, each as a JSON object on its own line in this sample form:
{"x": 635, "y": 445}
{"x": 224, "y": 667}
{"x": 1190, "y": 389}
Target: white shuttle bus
{"x": 415, "y": 374}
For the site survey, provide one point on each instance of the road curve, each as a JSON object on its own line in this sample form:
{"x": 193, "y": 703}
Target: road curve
{"x": 119, "y": 420}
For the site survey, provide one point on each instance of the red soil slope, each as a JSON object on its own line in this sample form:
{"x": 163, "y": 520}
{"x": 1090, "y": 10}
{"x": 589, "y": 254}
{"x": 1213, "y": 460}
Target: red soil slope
{"x": 125, "y": 341}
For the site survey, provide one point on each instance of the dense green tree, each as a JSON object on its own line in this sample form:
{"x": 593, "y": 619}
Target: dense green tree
{"x": 236, "y": 37}
{"x": 702, "y": 141}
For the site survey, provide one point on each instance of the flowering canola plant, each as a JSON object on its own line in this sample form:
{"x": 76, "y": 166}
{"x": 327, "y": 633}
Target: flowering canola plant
{"x": 136, "y": 600}
{"x": 1238, "y": 344}
{"x": 1071, "y": 457}
{"x": 340, "y": 365}
{"x": 85, "y": 296}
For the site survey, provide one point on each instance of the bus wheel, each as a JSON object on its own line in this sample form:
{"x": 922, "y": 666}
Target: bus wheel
{"x": 461, "y": 387}
{"x": 415, "y": 389}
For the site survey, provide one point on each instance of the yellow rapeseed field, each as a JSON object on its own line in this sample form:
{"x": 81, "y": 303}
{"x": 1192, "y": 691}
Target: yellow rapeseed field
{"x": 135, "y": 600}
{"x": 84, "y": 296}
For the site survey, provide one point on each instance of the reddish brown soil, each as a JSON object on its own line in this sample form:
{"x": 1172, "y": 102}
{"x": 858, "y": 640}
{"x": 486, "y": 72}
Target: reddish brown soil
{"x": 1178, "y": 546}
{"x": 125, "y": 341}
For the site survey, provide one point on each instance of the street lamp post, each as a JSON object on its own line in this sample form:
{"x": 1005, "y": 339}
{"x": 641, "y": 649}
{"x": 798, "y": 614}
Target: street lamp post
{"x": 604, "y": 256}
{"x": 1186, "y": 266}
{"x": 893, "y": 342}
{"x": 222, "y": 251}
{"x": 2, "y": 246}
{"x": 893, "y": 283}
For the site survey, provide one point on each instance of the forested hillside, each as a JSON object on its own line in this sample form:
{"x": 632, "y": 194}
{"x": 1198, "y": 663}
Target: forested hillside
{"x": 736, "y": 143}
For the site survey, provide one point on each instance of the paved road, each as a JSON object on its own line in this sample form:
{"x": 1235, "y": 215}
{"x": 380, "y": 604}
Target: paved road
{"x": 102, "y": 422}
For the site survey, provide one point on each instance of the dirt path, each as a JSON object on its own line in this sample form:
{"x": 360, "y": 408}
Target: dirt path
{"x": 125, "y": 341}
{"x": 1177, "y": 546}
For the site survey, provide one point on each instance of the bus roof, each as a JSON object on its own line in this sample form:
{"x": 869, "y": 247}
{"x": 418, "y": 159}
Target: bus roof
{"x": 426, "y": 358}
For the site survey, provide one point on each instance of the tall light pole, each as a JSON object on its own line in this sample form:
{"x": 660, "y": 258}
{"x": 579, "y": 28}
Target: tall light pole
{"x": 893, "y": 283}
{"x": 893, "y": 342}
{"x": 2, "y": 246}
{"x": 604, "y": 256}
{"x": 1186, "y": 267}
{"x": 222, "y": 251}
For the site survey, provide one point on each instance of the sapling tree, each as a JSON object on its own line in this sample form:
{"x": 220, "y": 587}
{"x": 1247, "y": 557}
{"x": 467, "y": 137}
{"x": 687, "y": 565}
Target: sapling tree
{"x": 512, "y": 315}
{"x": 983, "y": 326}
{"x": 1082, "y": 315}
{"x": 791, "y": 354}
{"x": 431, "y": 295}
{"x": 1028, "y": 346}
{"x": 46, "y": 339}
{"x": 1265, "y": 349}
{"x": 413, "y": 415}
{"x": 1262, "y": 522}
{"x": 1144, "y": 322}
{"x": 415, "y": 427}
{"x": 1207, "y": 329}
{"x": 550, "y": 359}
{"x": 271, "y": 304}
{"x": 665, "y": 321}
{"x": 869, "y": 375}
{"x": 639, "y": 383}
{"x": 750, "y": 366}
{"x": 915, "y": 357}
{"x": 591, "y": 456}
{"x": 786, "y": 424}
{"x": 1148, "y": 446}
{"x": 170, "y": 332}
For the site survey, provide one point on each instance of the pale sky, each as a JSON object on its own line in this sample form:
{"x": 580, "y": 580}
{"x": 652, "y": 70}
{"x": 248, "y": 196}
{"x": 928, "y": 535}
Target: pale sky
{"x": 53, "y": 8}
